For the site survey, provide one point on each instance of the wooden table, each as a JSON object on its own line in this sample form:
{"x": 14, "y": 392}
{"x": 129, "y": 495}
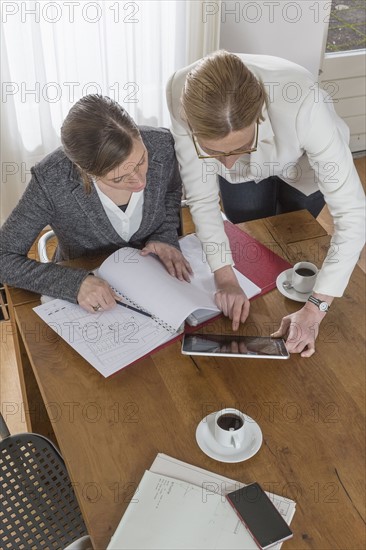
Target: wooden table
{"x": 311, "y": 411}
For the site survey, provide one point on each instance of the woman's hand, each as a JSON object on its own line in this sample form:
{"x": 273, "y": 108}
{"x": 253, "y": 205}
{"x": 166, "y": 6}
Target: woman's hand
{"x": 230, "y": 297}
{"x": 172, "y": 258}
{"x": 302, "y": 327}
{"x": 95, "y": 295}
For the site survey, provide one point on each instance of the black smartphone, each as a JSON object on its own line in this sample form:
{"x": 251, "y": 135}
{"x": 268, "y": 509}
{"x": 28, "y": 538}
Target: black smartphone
{"x": 259, "y": 515}
{"x": 234, "y": 346}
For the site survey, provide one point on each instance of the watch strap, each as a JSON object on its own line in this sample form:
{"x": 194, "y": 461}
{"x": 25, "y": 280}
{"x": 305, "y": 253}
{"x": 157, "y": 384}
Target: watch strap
{"x": 318, "y": 303}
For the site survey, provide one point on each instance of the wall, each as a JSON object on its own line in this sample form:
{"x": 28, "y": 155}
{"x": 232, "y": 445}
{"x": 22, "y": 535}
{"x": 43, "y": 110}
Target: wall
{"x": 293, "y": 30}
{"x": 343, "y": 76}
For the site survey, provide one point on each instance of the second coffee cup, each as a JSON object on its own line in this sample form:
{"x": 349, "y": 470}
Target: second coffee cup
{"x": 304, "y": 276}
{"x": 229, "y": 428}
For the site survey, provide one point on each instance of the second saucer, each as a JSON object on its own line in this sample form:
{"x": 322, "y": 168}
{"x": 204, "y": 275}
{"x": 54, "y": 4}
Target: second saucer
{"x": 208, "y": 444}
{"x": 290, "y": 293}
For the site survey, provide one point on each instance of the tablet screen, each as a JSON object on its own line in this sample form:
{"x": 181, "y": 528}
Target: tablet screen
{"x": 234, "y": 345}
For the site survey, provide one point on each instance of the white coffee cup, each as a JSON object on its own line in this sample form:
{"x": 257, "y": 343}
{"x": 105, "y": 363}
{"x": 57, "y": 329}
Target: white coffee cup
{"x": 304, "y": 276}
{"x": 229, "y": 428}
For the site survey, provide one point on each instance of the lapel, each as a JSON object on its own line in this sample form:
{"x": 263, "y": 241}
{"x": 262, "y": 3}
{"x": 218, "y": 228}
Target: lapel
{"x": 153, "y": 196}
{"x": 266, "y": 151}
{"x": 91, "y": 206}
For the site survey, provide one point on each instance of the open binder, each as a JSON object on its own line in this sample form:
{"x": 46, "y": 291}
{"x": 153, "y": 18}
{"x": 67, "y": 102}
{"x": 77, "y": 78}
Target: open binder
{"x": 112, "y": 340}
{"x": 144, "y": 282}
{"x": 253, "y": 259}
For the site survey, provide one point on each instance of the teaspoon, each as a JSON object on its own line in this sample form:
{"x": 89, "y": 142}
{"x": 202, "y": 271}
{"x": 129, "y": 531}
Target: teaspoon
{"x": 287, "y": 285}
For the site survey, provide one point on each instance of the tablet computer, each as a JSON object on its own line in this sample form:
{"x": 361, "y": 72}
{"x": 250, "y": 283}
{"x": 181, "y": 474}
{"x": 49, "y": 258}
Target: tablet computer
{"x": 226, "y": 345}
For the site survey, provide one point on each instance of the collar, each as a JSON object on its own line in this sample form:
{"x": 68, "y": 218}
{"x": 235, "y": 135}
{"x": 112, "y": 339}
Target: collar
{"x": 266, "y": 133}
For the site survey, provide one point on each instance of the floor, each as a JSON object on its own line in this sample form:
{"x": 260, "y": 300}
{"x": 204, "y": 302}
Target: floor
{"x": 12, "y": 406}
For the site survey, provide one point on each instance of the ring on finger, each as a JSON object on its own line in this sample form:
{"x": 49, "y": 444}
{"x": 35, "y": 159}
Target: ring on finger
{"x": 97, "y": 307}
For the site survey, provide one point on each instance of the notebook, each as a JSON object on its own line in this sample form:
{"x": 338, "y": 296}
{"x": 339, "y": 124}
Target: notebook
{"x": 111, "y": 340}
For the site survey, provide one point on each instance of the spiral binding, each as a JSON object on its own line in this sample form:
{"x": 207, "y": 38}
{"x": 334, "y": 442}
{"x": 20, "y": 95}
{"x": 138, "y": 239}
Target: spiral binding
{"x": 156, "y": 319}
{"x": 163, "y": 324}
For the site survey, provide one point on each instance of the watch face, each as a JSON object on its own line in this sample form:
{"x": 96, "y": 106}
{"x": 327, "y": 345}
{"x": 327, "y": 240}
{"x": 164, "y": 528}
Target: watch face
{"x": 323, "y": 306}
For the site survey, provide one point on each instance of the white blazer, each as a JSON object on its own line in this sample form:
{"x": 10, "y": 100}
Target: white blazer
{"x": 303, "y": 141}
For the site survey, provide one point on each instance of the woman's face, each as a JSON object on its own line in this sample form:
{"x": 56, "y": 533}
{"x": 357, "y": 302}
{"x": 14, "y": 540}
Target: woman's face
{"x": 240, "y": 141}
{"x": 130, "y": 175}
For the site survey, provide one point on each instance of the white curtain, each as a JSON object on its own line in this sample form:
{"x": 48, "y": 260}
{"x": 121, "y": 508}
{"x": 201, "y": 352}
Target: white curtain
{"x": 53, "y": 53}
{"x": 203, "y": 29}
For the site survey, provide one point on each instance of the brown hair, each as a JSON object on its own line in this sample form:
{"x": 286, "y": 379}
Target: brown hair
{"x": 221, "y": 95}
{"x": 97, "y": 136}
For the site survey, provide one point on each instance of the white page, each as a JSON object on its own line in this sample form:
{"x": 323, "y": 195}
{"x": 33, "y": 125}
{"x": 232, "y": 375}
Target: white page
{"x": 172, "y": 467}
{"x": 146, "y": 282}
{"x": 167, "y": 513}
{"x": 210, "y": 485}
{"x": 108, "y": 340}
{"x": 192, "y": 249}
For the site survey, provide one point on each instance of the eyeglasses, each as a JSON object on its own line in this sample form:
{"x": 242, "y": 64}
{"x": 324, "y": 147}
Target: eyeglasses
{"x": 201, "y": 154}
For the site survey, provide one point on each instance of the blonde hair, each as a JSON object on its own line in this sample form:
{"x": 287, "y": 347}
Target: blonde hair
{"x": 97, "y": 136}
{"x": 221, "y": 95}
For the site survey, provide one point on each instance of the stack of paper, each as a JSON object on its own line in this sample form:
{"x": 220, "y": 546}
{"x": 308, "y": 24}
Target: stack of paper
{"x": 179, "y": 506}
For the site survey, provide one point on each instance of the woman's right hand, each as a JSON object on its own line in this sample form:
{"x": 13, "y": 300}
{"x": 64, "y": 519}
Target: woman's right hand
{"x": 95, "y": 295}
{"x": 230, "y": 297}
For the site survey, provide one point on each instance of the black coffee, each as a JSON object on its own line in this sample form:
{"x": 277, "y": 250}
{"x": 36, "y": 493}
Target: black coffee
{"x": 305, "y": 272}
{"x": 229, "y": 422}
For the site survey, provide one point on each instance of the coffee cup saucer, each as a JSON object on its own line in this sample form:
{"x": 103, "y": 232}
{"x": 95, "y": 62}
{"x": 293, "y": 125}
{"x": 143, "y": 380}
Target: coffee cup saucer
{"x": 290, "y": 293}
{"x": 207, "y": 443}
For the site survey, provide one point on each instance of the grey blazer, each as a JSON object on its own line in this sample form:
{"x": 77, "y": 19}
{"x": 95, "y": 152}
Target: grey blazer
{"x": 55, "y": 196}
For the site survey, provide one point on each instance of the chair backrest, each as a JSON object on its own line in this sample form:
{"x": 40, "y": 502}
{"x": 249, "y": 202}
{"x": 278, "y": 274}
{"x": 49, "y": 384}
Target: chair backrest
{"x": 38, "y": 504}
{"x": 42, "y": 246}
{"x": 4, "y": 430}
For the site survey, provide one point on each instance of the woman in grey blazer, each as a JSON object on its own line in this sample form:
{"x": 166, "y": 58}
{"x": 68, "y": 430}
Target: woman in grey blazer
{"x": 111, "y": 185}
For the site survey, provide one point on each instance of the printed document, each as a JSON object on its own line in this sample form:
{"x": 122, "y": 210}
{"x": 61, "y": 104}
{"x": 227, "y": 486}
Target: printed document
{"x": 180, "y": 506}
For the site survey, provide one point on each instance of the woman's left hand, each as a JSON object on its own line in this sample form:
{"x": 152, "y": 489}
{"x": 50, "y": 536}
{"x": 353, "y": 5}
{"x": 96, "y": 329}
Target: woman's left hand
{"x": 174, "y": 261}
{"x": 301, "y": 328}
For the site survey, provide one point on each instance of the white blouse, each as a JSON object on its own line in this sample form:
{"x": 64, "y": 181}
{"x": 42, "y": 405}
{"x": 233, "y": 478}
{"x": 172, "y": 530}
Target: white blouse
{"x": 124, "y": 223}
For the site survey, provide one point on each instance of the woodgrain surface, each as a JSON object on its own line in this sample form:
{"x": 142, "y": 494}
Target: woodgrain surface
{"x": 311, "y": 411}
{"x": 10, "y": 396}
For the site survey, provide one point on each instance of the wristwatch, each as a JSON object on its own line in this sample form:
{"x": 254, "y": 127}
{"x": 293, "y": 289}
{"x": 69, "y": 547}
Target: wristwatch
{"x": 323, "y": 306}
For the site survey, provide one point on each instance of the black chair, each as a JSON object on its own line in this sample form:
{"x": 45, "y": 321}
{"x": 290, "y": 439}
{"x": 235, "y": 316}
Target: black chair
{"x": 38, "y": 507}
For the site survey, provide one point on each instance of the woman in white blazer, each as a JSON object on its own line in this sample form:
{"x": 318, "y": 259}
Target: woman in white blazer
{"x": 253, "y": 119}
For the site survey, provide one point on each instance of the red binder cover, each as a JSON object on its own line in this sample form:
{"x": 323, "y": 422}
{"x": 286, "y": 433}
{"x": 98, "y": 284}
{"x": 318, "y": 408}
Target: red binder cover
{"x": 254, "y": 260}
